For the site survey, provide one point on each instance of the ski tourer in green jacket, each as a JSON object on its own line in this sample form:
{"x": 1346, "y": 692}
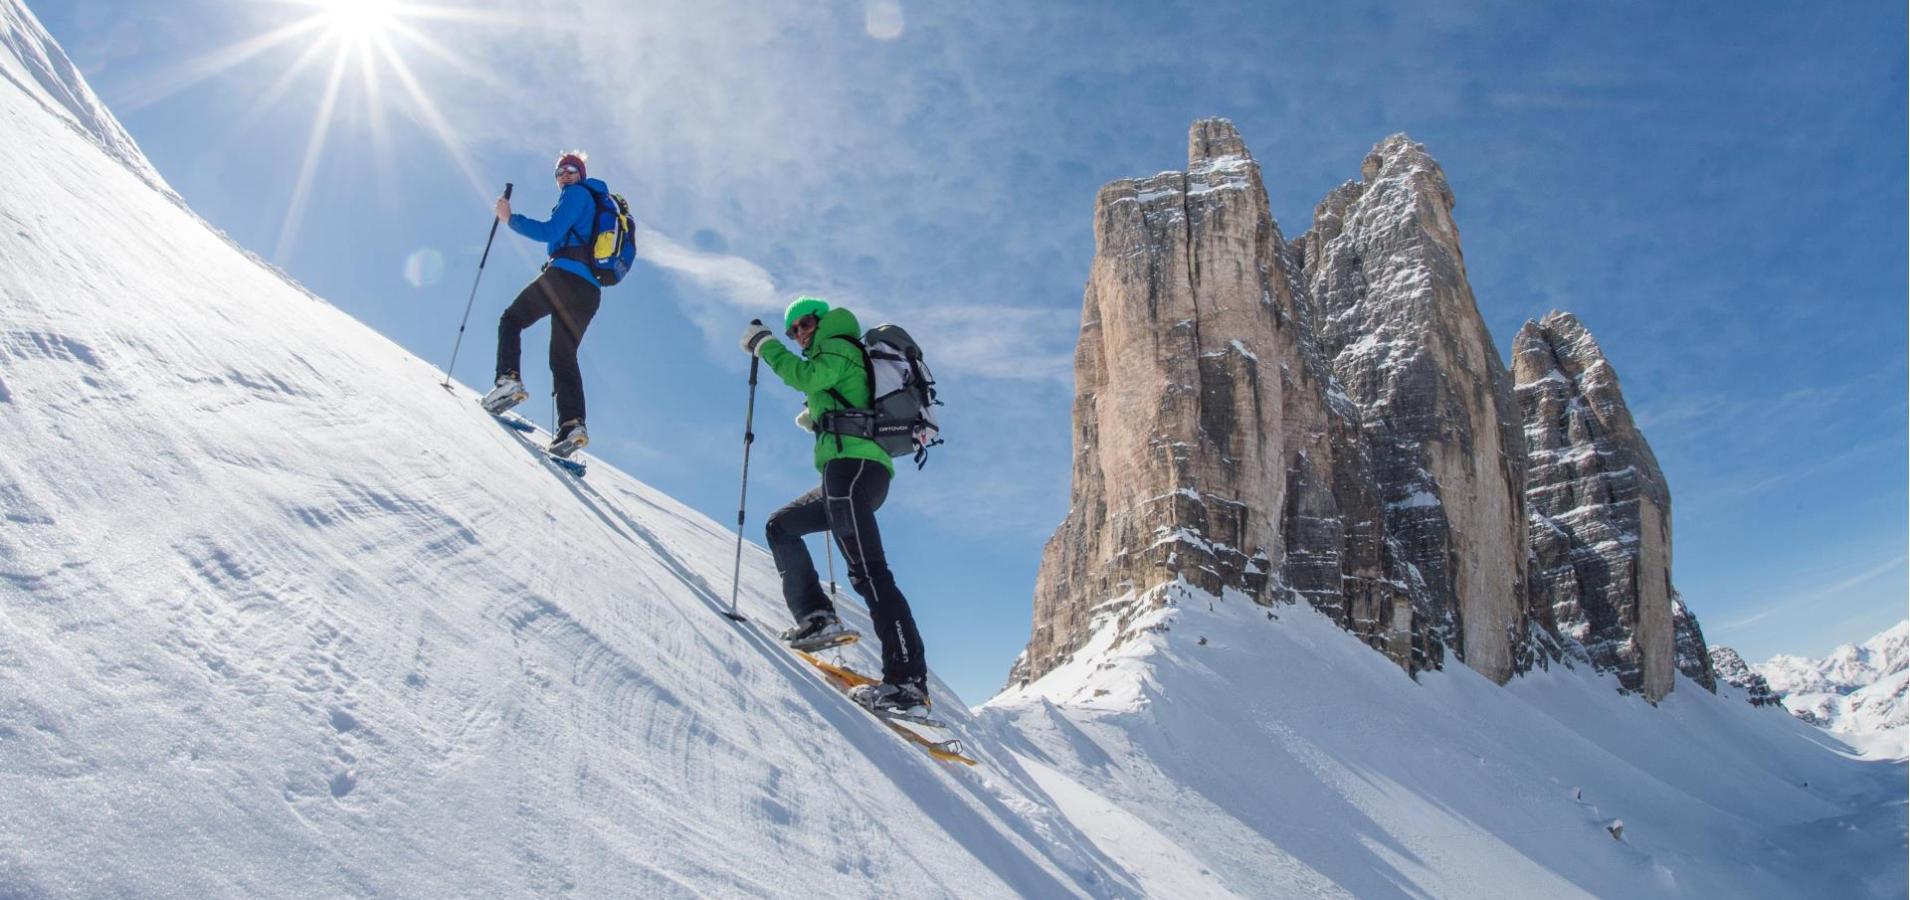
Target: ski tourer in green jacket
{"x": 832, "y": 361}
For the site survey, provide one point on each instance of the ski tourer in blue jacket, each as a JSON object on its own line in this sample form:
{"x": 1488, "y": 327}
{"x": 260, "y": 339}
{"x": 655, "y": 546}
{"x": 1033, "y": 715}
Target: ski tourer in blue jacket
{"x": 566, "y": 291}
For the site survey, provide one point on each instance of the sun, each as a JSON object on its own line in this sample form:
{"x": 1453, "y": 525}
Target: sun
{"x": 378, "y": 42}
{"x": 358, "y": 21}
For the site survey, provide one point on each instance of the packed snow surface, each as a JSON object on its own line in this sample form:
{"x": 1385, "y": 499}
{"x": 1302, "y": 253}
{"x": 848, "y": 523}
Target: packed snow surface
{"x": 1282, "y": 757}
{"x": 280, "y": 617}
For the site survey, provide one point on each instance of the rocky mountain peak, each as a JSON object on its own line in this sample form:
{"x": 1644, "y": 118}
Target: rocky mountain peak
{"x": 1693, "y": 654}
{"x": 1214, "y": 140}
{"x": 1399, "y": 155}
{"x": 1397, "y": 319}
{"x": 1600, "y": 511}
{"x": 1212, "y": 447}
{"x": 1732, "y": 670}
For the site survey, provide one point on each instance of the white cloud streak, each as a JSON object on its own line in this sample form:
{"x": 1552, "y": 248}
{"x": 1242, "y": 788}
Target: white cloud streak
{"x": 1813, "y": 598}
{"x": 728, "y": 286}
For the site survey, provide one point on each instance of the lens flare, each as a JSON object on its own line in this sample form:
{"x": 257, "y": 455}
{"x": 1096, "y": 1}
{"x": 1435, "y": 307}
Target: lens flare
{"x": 883, "y": 19}
{"x": 424, "y": 267}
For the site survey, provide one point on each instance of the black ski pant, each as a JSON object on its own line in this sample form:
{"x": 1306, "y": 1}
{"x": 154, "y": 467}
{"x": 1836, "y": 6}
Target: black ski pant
{"x": 844, "y": 505}
{"x": 571, "y": 302}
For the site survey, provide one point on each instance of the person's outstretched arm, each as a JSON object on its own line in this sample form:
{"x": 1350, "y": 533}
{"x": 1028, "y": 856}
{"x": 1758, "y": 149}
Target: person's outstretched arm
{"x": 572, "y": 205}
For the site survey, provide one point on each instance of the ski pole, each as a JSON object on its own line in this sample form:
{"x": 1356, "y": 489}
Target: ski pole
{"x": 749, "y": 437}
{"x": 829, "y": 549}
{"x": 467, "y": 304}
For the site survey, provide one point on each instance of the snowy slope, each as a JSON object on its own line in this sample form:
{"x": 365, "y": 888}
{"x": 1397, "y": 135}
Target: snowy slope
{"x": 1218, "y": 750}
{"x": 1857, "y": 690}
{"x": 279, "y": 616}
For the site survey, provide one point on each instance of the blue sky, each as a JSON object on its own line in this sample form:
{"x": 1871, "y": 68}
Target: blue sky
{"x": 1717, "y": 190}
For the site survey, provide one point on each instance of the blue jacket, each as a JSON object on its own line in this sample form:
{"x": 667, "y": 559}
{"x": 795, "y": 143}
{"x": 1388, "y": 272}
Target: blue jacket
{"x": 571, "y": 225}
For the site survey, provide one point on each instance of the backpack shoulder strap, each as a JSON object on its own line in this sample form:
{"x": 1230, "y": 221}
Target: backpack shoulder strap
{"x": 596, "y": 206}
{"x": 868, "y": 366}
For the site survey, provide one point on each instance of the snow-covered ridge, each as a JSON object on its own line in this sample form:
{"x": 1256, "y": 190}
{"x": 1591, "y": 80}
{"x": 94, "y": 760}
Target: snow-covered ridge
{"x": 1847, "y": 668}
{"x": 34, "y": 62}
{"x": 1856, "y": 689}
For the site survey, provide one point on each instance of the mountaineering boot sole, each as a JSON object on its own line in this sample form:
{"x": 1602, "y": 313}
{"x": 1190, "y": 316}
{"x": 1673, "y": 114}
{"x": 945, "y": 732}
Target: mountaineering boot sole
{"x": 562, "y": 449}
{"x": 824, "y": 641}
{"x": 893, "y": 702}
{"x": 817, "y": 631}
{"x": 497, "y": 403}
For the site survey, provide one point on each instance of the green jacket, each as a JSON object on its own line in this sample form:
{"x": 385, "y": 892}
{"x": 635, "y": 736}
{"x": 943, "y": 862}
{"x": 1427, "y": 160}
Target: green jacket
{"x": 830, "y": 362}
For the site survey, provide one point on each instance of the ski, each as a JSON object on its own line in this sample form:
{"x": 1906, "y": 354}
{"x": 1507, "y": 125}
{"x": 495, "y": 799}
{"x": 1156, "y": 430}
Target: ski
{"x": 845, "y": 678}
{"x": 515, "y": 422}
{"x": 522, "y": 426}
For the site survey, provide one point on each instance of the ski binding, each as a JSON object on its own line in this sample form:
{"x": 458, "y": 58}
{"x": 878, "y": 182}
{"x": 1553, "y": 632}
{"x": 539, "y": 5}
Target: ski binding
{"x": 518, "y": 424}
{"x": 845, "y": 678}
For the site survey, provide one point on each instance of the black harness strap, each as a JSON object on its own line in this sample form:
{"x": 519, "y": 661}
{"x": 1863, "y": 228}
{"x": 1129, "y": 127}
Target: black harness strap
{"x": 833, "y": 421}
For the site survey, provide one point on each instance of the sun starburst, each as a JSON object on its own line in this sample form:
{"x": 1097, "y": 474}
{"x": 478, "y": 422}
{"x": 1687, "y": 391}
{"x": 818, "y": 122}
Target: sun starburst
{"x": 370, "y": 37}
{"x": 358, "y": 21}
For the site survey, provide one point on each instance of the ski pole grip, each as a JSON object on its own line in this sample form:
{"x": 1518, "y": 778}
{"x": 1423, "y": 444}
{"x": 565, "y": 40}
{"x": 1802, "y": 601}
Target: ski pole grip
{"x": 507, "y": 190}
{"x": 756, "y": 321}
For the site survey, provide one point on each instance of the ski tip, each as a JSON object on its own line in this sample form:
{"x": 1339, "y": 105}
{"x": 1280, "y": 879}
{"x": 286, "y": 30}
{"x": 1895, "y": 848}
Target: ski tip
{"x": 511, "y": 421}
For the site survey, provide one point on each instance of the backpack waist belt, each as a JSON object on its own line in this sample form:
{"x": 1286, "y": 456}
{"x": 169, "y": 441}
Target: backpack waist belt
{"x": 860, "y": 423}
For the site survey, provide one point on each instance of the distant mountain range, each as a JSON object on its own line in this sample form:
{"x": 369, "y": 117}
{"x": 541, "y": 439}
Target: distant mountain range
{"x": 1855, "y": 689}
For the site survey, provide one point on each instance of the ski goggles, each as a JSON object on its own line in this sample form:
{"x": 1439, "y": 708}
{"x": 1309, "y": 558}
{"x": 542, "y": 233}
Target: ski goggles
{"x": 811, "y": 320}
{"x": 564, "y": 170}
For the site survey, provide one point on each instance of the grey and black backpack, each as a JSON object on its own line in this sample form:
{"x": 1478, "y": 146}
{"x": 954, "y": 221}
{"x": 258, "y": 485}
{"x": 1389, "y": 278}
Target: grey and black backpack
{"x": 901, "y": 417}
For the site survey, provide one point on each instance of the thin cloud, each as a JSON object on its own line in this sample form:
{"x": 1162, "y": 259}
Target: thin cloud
{"x": 727, "y": 285}
{"x": 1817, "y": 596}
{"x": 731, "y": 279}
{"x": 1008, "y": 342}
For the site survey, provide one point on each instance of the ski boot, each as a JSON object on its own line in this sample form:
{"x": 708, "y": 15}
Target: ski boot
{"x": 817, "y": 631}
{"x": 508, "y": 393}
{"x": 571, "y": 437}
